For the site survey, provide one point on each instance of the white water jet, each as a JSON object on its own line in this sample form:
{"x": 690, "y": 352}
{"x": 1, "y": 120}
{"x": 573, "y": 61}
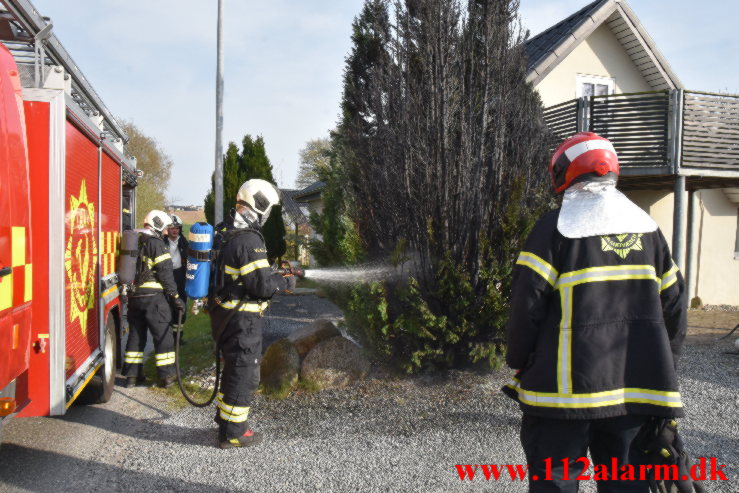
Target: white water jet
{"x": 352, "y": 274}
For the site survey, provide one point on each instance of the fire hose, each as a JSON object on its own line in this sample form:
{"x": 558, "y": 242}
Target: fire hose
{"x": 192, "y": 400}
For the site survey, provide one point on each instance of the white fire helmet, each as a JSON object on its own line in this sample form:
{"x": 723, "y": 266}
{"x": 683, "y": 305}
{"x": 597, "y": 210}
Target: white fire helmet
{"x": 176, "y": 221}
{"x": 159, "y": 220}
{"x": 260, "y": 195}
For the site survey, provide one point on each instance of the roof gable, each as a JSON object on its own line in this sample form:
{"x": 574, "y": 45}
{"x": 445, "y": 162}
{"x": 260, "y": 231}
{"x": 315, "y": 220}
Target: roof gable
{"x": 547, "y": 49}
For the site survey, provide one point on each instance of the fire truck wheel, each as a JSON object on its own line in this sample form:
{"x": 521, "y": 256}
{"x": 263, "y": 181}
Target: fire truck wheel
{"x": 100, "y": 388}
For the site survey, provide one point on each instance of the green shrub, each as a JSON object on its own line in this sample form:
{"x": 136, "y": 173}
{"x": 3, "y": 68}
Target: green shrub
{"x": 447, "y": 331}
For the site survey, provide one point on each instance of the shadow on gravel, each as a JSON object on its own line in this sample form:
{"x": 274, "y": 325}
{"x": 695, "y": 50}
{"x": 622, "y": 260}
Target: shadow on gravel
{"x": 151, "y": 429}
{"x": 31, "y": 469}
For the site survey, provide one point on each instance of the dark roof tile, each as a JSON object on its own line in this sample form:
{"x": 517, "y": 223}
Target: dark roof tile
{"x": 539, "y": 47}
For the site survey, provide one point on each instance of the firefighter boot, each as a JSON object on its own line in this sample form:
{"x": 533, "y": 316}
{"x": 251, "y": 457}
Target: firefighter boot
{"x": 134, "y": 381}
{"x": 248, "y": 439}
{"x": 167, "y": 381}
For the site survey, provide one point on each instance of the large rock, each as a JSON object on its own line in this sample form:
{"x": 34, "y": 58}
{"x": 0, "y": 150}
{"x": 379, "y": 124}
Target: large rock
{"x": 307, "y": 336}
{"x": 280, "y": 367}
{"x": 334, "y": 363}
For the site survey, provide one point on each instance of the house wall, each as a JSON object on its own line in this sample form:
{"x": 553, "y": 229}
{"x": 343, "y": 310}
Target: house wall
{"x": 715, "y": 279}
{"x": 601, "y": 55}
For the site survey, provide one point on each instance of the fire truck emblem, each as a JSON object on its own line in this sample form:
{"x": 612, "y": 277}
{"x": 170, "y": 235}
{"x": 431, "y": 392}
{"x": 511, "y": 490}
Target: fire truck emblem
{"x": 621, "y": 245}
{"x": 80, "y": 257}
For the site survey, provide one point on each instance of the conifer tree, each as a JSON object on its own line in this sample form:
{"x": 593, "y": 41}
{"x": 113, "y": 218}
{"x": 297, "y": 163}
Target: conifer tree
{"x": 238, "y": 167}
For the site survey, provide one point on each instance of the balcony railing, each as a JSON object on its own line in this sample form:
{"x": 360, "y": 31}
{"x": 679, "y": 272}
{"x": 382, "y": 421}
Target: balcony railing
{"x": 676, "y": 132}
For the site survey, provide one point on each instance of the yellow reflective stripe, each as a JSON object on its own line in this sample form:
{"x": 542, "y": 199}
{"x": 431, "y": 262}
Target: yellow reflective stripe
{"x": 246, "y": 307}
{"x": 252, "y": 266}
{"x": 151, "y": 285}
{"x": 607, "y": 273}
{"x": 133, "y": 357}
{"x": 6, "y": 292}
{"x": 538, "y": 265}
{"x": 161, "y": 258}
{"x": 163, "y": 359}
{"x": 598, "y": 399}
{"x": 234, "y": 414}
{"x": 18, "y": 246}
{"x": 233, "y": 410}
{"x": 669, "y": 278}
{"x": 564, "y": 351}
{"x": 233, "y": 419}
{"x": 231, "y": 270}
{"x": 28, "y": 288}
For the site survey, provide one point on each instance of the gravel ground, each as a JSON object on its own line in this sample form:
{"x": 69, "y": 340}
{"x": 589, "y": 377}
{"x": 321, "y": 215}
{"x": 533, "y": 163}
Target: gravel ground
{"x": 385, "y": 434}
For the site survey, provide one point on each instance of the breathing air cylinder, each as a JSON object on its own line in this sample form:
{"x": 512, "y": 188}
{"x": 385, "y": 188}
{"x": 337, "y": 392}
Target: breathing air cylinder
{"x": 129, "y": 254}
{"x": 198, "y": 260}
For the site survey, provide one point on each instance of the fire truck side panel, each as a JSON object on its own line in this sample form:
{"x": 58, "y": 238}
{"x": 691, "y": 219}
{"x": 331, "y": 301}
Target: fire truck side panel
{"x": 81, "y": 253}
{"x": 15, "y": 240}
{"x": 37, "y": 125}
{"x": 45, "y": 111}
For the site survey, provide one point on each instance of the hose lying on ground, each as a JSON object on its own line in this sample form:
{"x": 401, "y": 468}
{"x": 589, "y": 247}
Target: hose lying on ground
{"x": 192, "y": 400}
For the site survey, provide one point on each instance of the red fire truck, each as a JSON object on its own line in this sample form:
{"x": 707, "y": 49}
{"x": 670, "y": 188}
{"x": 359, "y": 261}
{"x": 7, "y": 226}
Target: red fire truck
{"x": 66, "y": 192}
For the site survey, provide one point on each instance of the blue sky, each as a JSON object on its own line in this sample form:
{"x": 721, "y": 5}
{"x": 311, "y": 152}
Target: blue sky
{"x": 153, "y": 62}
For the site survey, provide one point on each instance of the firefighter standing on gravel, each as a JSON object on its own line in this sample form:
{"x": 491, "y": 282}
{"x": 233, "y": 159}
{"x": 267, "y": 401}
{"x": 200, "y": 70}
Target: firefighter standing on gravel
{"x": 149, "y": 304}
{"x": 244, "y": 283}
{"x": 598, "y": 317}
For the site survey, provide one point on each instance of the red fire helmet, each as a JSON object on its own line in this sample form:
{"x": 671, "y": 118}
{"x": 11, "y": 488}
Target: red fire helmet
{"x": 584, "y": 152}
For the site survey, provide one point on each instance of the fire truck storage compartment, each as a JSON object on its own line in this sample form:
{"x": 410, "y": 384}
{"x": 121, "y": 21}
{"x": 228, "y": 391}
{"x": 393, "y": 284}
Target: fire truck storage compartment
{"x": 15, "y": 233}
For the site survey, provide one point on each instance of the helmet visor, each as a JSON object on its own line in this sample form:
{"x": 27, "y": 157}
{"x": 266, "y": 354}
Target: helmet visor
{"x": 263, "y": 219}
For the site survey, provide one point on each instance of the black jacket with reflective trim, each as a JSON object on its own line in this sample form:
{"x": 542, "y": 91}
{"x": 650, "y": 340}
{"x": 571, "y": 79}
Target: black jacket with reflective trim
{"x": 154, "y": 273}
{"x": 245, "y": 269}
{"x": 596, "y": 325}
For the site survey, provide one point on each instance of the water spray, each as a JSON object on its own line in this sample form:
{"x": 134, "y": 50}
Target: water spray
{"x": 367, "y": 273}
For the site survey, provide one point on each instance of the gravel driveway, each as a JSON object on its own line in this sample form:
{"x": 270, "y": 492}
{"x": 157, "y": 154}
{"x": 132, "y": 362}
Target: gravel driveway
{"x": 386, "y": 434}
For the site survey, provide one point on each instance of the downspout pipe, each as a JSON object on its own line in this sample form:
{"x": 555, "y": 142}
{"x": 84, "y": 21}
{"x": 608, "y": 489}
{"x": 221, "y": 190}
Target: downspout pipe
{"x": 693, "y": 230}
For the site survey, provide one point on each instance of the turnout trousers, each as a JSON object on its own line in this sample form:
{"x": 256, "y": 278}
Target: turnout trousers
{"x": 569, "y": 440}
{"x": 241, "y": 347}
{"x": 150, "y": 312}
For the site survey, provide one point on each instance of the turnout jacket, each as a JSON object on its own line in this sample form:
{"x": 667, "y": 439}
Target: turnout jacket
{"x": 596, "y": 325}
{"x": 244, "y": 271}
{"x": 154, "y": 270}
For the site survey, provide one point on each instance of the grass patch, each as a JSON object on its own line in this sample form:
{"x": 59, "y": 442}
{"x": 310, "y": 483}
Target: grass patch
{"x": 308, "y": 386}
{"x": 195, "y": 355}
{"x": 279, "y": 393}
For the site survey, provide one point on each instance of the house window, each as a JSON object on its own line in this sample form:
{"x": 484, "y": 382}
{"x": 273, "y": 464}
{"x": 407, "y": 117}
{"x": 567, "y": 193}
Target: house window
{"x": 592, "y": 85}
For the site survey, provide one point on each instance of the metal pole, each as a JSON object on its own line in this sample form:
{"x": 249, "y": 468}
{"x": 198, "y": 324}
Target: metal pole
{"x": 219, "y": 120}
{"x": 679, "y": 221}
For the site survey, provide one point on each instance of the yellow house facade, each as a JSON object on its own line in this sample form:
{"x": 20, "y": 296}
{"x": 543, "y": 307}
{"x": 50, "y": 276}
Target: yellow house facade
{"x": 599, "y": 70}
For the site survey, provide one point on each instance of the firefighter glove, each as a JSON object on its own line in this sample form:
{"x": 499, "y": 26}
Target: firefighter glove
{"x": 178, "y": 304}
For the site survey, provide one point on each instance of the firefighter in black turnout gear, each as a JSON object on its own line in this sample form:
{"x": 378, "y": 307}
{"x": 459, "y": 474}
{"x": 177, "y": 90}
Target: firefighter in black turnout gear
{"x": 149, "y": 304}
{"x": 244, "y": 282}
{"x": 598, "y": 317}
